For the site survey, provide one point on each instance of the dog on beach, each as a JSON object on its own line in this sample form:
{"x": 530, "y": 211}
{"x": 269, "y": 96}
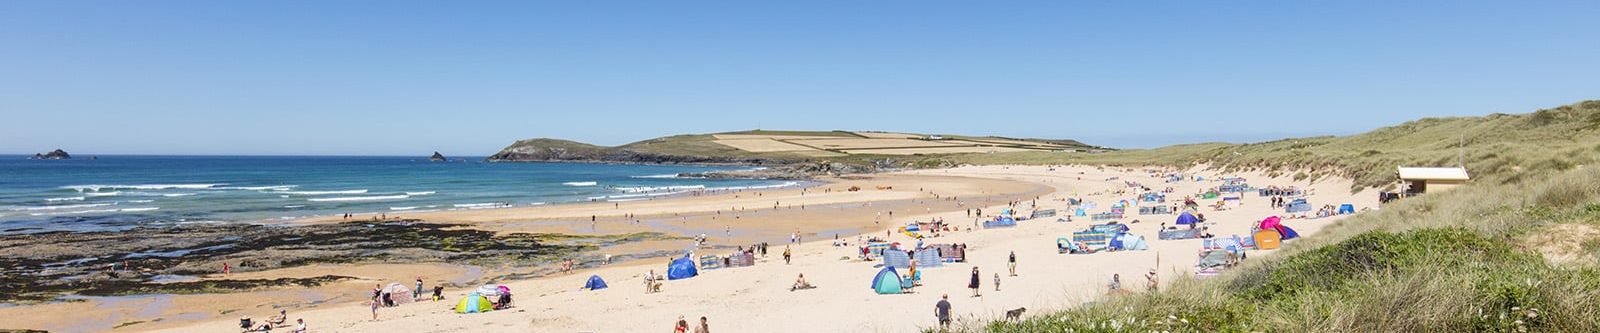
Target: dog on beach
{"x": 1015, "y": 314}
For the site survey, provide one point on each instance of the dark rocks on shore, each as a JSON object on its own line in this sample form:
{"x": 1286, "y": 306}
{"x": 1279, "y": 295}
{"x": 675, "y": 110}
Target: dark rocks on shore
{"x": 437, "y": 157}
{"x": 54, "y": 155}
{"x": 44, "y": 266}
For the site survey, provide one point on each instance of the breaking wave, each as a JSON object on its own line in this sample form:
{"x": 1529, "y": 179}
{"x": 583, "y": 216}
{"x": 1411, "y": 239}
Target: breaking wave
{"x": 371, "y": 198}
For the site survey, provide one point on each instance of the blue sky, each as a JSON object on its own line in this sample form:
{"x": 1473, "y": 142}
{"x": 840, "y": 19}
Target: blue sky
{"x": 469, "y": 77}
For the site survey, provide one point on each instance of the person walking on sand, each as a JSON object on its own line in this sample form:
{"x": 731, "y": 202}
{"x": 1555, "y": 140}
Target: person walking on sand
{"x": 941, "y": 310}
{"x": 996, "y": 281}
{"x": 786, "y": 254}
{"x": 225, "y": 269}
{"x": 1013, "y": 263}
{"x": 973, "y": 284}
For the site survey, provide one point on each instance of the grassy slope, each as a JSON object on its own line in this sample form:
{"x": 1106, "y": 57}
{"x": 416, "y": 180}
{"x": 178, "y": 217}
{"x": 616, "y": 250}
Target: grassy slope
{"x": 702, "y": 145}
{"x": 1498, "y": 148}
{"x": 1454, "y": 261}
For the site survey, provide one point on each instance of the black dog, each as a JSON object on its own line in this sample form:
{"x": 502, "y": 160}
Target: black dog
{"x": 1015, "y": 314}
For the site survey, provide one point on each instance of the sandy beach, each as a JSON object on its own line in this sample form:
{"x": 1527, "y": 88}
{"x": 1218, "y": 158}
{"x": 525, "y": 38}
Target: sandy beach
{"x": 756, "y": 298}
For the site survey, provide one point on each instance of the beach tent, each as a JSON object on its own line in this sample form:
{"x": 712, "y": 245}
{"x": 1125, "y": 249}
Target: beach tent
{"x": 1080, "y": 212}
{"x": 896, "y": 258}
{"x": 887, "y": 281}
{"x": 1347, "y": 209}
{"x": 1276, "y": 224}
{"x": 595, "y": 283}
{"x": 399, "y": 293}
{"x": 1287, "y": 233}
{"x": 1267, "y": 239}
{"x": 1127, "y": 241}
{"x": 1187, "y": 218}
{"x": 474, "y": 303}
{"x": 681, "y": 268}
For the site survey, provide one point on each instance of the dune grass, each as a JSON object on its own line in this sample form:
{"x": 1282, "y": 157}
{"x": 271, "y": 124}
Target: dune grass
{"x": 1498, "y": 148}
{"x": 1455, "y": 261}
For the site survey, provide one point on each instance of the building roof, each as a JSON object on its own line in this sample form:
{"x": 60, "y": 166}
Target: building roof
{"x": 1433, "y": 173}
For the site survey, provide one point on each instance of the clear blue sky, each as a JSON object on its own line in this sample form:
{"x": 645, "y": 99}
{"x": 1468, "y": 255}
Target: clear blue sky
{"x": 469, "y": 77}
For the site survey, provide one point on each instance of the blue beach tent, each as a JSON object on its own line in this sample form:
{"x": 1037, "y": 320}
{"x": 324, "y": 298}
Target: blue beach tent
{"x": 887, "y": 281}
{"x": 1187, "y": 218}
{"x": 681, "y": 268}
{"x": 595, "y": 283}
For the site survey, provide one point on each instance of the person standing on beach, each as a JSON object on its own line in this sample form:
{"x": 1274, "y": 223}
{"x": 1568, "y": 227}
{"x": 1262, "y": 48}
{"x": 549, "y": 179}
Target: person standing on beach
{"x": 1152, "y": 280}
{"x": 973, "y": 284}
{"x": 225, "y": 268}
{"x": 1013, "y": 263}
{"x": 703, "y": 328}
{"x": 417, "y": 293}
{"x": 786, "y": 254}
{"x": 941, "y": 310}
{"x": 375, "y": 302}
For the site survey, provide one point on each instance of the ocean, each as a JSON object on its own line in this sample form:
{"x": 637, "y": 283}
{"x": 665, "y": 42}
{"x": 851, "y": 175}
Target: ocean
{"x": 121, "y": 192}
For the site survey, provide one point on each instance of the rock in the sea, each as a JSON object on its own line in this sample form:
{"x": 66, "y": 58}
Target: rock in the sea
{"x": 437, "y": 157}
{"x": 54, "y": 155}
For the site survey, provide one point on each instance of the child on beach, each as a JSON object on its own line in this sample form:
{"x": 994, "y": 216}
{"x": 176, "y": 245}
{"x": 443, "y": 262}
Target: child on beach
{"x": 996, "y": 281}
{"x": 786, "y": 255}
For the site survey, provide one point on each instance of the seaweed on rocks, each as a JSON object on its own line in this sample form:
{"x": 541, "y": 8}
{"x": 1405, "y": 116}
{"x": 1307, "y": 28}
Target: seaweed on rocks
{"x": 44, "y": 266}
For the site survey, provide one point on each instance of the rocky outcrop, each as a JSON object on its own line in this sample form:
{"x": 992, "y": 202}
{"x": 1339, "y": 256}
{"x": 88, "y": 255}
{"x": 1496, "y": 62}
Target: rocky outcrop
{"x": 437, "y": 157}
{"x": 54, "y": 155}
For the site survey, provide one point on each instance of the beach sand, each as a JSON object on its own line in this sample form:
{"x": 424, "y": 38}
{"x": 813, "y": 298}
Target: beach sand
{"x": 757, "y": 298}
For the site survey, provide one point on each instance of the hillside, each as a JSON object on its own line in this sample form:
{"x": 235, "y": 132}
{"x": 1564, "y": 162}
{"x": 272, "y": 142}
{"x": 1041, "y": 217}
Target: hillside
{"x": 780, "y": 147}
{"x": 1517, "y": 250}
{"x": 1498, "y": 148}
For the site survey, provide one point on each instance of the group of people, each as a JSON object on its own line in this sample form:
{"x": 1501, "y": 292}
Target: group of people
{"x": 682, "y": 326}
{"x": 249, "y": 325}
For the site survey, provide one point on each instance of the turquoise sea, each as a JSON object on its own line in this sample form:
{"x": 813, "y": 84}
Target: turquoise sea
{"x": 119, "y": 192}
